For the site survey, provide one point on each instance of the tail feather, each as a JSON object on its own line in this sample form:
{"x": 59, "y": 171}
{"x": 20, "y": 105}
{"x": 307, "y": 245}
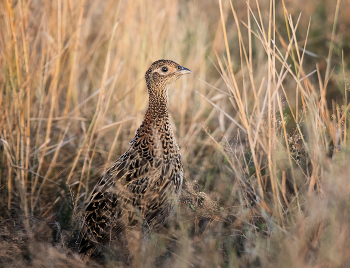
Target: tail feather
{"x": 85, "y": 245}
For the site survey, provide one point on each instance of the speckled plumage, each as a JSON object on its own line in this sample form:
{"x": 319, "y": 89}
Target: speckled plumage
{"x": 145, "y": 182}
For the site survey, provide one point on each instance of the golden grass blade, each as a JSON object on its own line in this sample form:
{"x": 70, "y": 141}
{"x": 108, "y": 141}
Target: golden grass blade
{"x": 331, "y": 46}
{"x": 75, "y": 56}
{"x": 52, "y": 164}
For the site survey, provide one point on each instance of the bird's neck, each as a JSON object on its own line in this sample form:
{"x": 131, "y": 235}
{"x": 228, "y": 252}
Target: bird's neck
{"x": 158, "y": 104}
{"x": 156, "y": 121}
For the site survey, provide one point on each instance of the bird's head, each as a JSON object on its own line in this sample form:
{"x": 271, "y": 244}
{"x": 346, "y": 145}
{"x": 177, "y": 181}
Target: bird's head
{"x": 163, "y": 73}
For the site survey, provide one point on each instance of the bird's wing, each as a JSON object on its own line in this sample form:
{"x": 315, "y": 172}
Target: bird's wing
{"x": 118, "y": 192}
{"x": 138, "y": 180}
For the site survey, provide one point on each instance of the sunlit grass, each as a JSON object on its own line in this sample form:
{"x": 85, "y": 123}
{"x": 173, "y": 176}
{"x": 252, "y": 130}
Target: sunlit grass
{"x": 262, "y": 125}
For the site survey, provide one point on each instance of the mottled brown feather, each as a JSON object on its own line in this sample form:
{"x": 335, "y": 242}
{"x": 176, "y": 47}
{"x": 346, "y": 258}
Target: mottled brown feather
{"x": 145, "y": 182}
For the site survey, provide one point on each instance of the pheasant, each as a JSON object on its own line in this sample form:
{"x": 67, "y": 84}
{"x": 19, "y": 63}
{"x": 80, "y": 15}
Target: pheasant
{"x": 144, "y": 184}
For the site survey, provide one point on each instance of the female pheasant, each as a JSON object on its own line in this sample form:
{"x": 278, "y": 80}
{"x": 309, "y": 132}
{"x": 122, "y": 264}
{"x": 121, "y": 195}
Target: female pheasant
{"x": 143, "y": 185}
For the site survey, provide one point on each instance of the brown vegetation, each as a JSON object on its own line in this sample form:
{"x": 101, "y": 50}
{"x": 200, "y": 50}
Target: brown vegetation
{"x": 262, "y": 125}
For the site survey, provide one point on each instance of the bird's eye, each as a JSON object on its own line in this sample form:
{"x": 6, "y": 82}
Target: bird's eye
{"x": 164, "y": 69}
{"x": 179, "y": 67}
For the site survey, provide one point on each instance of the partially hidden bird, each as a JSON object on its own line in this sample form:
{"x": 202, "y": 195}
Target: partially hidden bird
{"x": 144, "y": 184}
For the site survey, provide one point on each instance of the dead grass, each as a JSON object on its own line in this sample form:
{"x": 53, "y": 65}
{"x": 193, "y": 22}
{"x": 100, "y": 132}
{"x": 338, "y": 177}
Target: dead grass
{"x": 263, "y": 131}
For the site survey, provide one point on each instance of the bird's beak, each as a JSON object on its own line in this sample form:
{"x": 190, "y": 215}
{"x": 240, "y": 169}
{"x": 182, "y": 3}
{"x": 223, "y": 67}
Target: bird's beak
{"x": 183, "y": 70}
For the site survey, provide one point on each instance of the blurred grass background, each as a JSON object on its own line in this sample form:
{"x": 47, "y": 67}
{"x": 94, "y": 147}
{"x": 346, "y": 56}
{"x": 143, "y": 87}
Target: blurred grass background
{"x": 262, "y": 125}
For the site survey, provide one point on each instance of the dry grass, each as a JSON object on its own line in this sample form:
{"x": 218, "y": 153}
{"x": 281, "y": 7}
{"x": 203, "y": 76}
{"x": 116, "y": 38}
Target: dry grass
{"x": 263, "y": 131}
